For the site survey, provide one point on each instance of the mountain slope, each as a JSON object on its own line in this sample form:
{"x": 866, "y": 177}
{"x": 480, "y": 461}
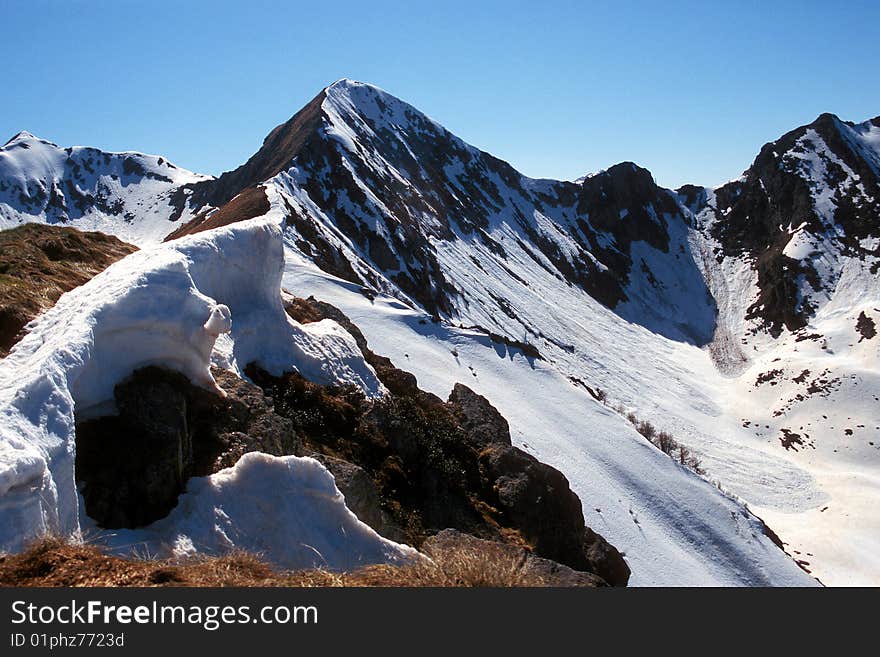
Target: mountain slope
{"x": 615, "y": 282}
{"x": 133, "y": 196}
{"x": 791, "y": 254}
{"x": 739, "y": 319}
{"x": 39, "y": 263}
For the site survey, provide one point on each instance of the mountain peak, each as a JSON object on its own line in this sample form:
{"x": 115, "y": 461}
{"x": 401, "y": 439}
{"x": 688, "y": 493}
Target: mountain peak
{"x": 23, "y": 136}
{"x": 348, "y": 83}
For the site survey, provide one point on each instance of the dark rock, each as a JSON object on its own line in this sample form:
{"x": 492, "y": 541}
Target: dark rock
{"x": 132, "y": 467}
{"x": 538, "y": 501}
{"x": 481, "y": 421}
{"x": 866, "y": 327}
{"x": 361, "y": 495}
{"x": 604, "y": 559}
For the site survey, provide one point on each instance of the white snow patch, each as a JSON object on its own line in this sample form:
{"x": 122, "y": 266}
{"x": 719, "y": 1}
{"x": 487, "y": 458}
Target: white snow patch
{"x": 163, "y": 305}
{"x": 287, "y": 509}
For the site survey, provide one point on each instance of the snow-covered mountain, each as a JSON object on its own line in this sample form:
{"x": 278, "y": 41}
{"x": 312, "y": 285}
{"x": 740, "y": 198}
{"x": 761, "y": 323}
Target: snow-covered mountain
{"x": 133, "y": 196}
{"x": 740, "y": 320}
{"x": 376, "y": 191}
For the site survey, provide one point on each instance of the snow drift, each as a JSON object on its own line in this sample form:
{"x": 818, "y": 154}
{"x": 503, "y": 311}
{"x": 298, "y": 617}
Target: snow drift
{"x": 168, "y": 305}
{"x": 287, "y": 509}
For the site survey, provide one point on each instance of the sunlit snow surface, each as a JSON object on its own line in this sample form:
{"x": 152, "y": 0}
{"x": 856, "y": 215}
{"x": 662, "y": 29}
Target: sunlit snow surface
{"x": 674, "y": 528}
{"x": 286, "y": 509}
{"x": 819, "y": 496}
{"x": 166, "y": 305}
{"x": 124, "y": 194}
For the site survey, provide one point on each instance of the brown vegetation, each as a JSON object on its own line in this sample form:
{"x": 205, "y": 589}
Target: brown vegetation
{"x": 56, "y": 562}
{"x": 662, "y": 440}
{"x": 39, "y": 263}
{"x": 252, "y": 202}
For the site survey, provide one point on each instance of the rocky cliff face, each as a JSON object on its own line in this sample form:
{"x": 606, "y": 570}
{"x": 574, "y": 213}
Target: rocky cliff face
{"x": 806, "y": 208}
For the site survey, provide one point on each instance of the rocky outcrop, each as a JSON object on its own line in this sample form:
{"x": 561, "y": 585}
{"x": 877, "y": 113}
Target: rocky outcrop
{"x": 132, "y": 466}
{"x": 820, "y": 180}
{"x": 439, "y": 465}
{"x": 409, "y": 464}
{"x": 481, "y": 421}
{"x": 866, "y": 327}
{"x": 361, "y": 495}
{"x": 537, "y": 500}
{"x": 535, "y": 497}
{"x": 40, "y": 263}
{"x": 550, "y": 573}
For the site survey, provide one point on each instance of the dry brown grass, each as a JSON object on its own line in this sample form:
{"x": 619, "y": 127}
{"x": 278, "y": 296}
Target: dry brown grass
{"x": 57, "y": 562}
{"x": 463, "y": 567}
{"x": 39, "y": 263}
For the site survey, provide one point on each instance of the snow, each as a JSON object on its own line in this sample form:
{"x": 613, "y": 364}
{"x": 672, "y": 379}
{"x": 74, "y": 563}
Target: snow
{"x": 164, "y": 305}
{"x": 799, "y": 246}
{"x": 674, "y": 527}
{"x": 820, "y": 497}
{"x": 818, "y": 165}
{"x": 286, "y": 509}
{"x": 643, "y": 355}
{"x": 131, "y": 192}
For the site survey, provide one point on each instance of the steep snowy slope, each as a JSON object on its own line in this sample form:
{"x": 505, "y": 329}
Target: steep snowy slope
{"x": 375, "y": 191}
{"x": 612, "y": 281}
{"x": 214, "y": 296}
{"x": 791, "y": 254}
{"x": 133, "y": 196}
{"x": 675, "y": 528}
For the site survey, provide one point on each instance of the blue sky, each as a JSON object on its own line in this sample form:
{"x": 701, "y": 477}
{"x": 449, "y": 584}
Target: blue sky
{"x": 691, "y": 90}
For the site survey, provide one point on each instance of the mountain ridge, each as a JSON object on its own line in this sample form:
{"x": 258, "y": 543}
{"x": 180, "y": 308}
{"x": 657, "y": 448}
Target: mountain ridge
{"x": 729, "y": 315}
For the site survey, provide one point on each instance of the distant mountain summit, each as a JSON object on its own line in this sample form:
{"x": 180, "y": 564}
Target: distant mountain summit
{"x": 130, "y": 195}
{"x": 805, "y": 210}
{"x": 374, "y": 191}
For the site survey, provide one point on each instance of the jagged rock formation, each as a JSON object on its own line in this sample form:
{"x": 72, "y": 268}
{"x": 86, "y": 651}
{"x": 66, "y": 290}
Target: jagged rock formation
{"x": 807, "y": 205}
